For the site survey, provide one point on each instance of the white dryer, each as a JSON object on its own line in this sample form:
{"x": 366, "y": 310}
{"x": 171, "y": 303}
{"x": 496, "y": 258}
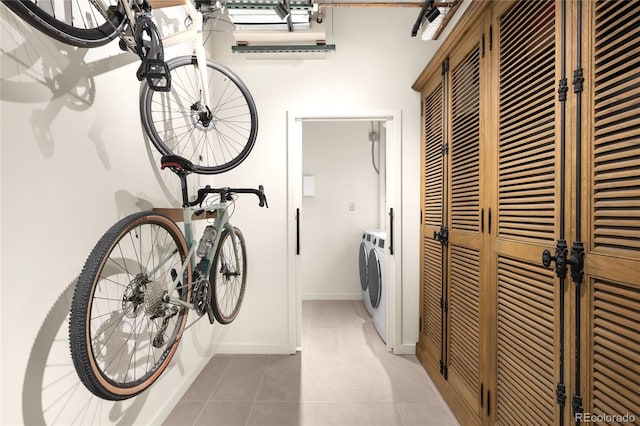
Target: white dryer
{"x": 377, "y": 282}
{"x": 363, "y": 256}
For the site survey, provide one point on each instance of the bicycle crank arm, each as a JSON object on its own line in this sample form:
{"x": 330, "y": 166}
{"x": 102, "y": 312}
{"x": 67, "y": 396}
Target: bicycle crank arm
{"x": 210, "y": 313}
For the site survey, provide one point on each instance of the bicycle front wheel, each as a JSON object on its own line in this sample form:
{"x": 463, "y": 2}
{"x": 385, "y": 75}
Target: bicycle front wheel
{"x": 216, "y": 136}
{"x": 74, "y": 22}
{"x": 228, "y": 276}
{"x": 123, "y": 332}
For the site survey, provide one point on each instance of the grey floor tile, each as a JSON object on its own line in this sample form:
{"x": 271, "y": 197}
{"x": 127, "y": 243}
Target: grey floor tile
{"x": 425, "y": 414}
{"x": 366, "y": 380}
{"x": 361, "y": 310}
{"x": 185, "y": 413}
{"x": 322, "y": 342}
{"x": 242, "y": 378}
{"x": 323, "y": 314}
{"x": 282, "y": 379}
{"x": 372, "y": 414}
{"x": 322, "y": 380}
{"x": 344, "y": 376}
{"x": 324, "y": 414}
{"x": 409, "y": 382}
{"x": 275, "y": 414}
{"x": 306, "y": 313}
{"x": 204, "y": 385}
{"x": 224, "y": 413}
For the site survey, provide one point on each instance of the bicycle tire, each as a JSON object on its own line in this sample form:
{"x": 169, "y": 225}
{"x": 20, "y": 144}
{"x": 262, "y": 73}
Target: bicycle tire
{"x": 61, "y": 27}
{"x": 112, "y": 329}
{"x": 174, "y": 120}
{"x": 228, "y": 285}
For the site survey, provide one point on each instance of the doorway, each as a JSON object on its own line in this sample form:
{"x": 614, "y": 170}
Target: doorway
{"x": 343, "y": 193}
{"x": 388, "y": 212}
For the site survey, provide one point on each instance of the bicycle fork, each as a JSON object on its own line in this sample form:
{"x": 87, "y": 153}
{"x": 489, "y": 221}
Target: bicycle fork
{"x": 201, "y": 59}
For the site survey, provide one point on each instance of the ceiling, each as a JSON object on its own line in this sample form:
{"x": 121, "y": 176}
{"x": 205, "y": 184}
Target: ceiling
{"x": 298, "y": 25}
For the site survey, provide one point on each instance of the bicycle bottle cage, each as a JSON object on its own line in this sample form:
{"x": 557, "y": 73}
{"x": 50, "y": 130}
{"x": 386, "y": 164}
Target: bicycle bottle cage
{"x": 149, "y": 49}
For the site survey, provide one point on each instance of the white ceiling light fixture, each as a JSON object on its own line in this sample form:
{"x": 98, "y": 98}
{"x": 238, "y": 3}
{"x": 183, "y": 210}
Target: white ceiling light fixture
{"x": 435, "y": 18}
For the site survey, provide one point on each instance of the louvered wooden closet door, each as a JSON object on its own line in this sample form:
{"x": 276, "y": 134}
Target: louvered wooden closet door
{"x": 611, "y": 209}
{"x": 464, "y": 248}
{"x": 526, "y": 220}
{"x": 432, "y": 200}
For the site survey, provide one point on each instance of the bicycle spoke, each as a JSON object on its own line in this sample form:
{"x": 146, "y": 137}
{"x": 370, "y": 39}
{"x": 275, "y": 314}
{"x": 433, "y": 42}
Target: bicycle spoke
{"x": 123, "y": 280}
{"x": 216, "y": 133}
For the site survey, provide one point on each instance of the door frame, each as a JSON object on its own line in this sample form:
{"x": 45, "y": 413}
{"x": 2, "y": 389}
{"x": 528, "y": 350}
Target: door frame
{"x": 393, "y": 122}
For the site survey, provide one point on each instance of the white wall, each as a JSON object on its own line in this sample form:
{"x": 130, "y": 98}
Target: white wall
{"x": 338, "y": 155}
{"x": 75, "y": 160}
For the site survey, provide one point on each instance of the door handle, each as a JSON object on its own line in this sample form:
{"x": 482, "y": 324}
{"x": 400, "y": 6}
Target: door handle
{"x": 297, "y": 231}
{"x": 391, "y": 231}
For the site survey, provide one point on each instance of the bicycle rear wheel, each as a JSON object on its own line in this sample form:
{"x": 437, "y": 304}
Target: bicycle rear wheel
{"x": 228, "y": 277}
{"x": 122, "y": 332}
{"x": 214, "y": 137}
{"x": 74, "y": 22}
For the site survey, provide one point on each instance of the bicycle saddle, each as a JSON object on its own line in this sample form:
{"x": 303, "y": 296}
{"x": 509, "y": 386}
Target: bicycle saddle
{"x": 180, "y": 164}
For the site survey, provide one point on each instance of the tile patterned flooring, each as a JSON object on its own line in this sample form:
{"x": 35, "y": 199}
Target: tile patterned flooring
{"x": 344, "y": 376}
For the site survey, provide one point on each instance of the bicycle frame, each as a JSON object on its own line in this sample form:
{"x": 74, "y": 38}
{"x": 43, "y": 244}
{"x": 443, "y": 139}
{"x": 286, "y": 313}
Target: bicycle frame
{"x": 193, "y": 33}
{"x": 221, "y": 223}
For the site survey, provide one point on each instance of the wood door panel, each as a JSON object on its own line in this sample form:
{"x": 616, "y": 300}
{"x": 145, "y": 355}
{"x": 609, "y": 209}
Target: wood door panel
{"x": 432, "y": 218}
{"x": 527, "y": 125}
{"x": 616, "y": 130}
{"x": 611, "y": 210}
{"x": 465, "y": 144}
{"x": 525, "y": 343}
{"x": 464, "y": 320}
{"x": 527, "y": 201}
{"x": 433, "y": 171}
{"x": 431, "y": 327}
{"x": 465, "y": 239}
{"x": 616, "y": 344}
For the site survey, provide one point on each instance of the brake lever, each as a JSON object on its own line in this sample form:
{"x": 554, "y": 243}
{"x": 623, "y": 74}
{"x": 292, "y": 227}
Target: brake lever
{"x": 202, "y": 194}
{"x": 263, "y": 197}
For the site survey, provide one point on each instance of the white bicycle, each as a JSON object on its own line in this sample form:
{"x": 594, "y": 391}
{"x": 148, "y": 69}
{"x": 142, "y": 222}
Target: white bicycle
{"x": 189, "y": 106}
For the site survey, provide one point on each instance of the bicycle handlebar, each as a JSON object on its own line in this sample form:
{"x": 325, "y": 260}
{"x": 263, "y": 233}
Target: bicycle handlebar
{"x": 182, "y": 167}
{"x": 226, "y": 193}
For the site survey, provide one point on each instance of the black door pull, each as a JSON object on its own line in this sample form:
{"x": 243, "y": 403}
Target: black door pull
{"x": 297, "y": 231}
{"x": 391, "y": 231}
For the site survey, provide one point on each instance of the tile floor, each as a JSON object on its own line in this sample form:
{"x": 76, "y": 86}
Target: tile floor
{"x": 344, "y": 376}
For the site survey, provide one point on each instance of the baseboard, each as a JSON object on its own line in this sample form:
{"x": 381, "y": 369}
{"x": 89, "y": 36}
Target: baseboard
{"x": 405, "y": 349}
{"x": 332, "y": 296}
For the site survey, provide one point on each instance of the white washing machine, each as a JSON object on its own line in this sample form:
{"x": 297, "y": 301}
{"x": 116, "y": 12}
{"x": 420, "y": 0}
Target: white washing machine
{"x": 363, "y": 256}
{"x": 377, "y": 281}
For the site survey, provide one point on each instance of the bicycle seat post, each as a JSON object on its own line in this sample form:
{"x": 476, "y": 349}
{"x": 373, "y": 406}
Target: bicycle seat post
{"x": 183, "y": 183}
{"x": 181, "y": 167}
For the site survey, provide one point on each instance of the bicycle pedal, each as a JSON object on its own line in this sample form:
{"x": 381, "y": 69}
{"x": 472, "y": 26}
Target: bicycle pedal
{"x": 157, "y": 74}
{"x": 212, "y": 319}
